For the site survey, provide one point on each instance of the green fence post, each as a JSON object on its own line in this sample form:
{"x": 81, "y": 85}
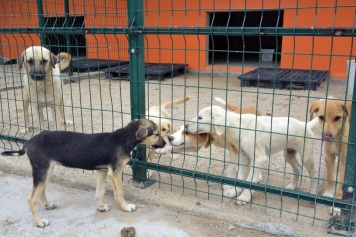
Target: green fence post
{"x": 41, "y": 20}
{"x": 137, "y": 78}
{"x": 347, "y": 218}
{"x": 67, "y": 20}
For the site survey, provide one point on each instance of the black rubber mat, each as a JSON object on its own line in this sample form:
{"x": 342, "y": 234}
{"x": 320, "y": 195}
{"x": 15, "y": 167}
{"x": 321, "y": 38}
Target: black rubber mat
{"x": 90, "y": 65}
{"x": 153, "y": 71}
{"x": 281, "y": 78}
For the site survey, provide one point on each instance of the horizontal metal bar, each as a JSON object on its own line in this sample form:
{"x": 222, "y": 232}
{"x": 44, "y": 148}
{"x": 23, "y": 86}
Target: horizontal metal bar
{"x": 263, "y": 31}
{"x": 12, "y": 138}
{"x": 244, "y": 184}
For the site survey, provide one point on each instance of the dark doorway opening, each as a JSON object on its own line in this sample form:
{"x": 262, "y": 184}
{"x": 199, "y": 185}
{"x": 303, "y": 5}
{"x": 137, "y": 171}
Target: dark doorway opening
{"x": 58, "y": 43}
{"x": 245, "y": 49}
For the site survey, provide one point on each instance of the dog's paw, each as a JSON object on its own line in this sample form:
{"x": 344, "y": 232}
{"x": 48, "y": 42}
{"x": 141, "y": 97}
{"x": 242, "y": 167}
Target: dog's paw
{"x": 292, "y": 186}
{"x": 50, "y": 206}
{"x": 335, "y": 212}
{"x": 230, "y": 191}
{"x": 103, "y": 208}
{"x": 42, "y": 223}
{"x": 244, "y": 198}
{"x": 68, "y": 122}
{"x": 25, "y": 130}
{"x": 160, "y": 151}
{"x": 165, "y": 150}
{"x": 130, "y": 208}
{"x": 149, "y": 173}
{"x": 174, "y": 157}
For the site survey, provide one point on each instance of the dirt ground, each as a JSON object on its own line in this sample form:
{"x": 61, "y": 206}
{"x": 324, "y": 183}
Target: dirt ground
{"x": 96, "y": 104}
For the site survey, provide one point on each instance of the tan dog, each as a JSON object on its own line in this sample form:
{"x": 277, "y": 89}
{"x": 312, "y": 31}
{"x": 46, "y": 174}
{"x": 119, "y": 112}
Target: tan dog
{"x": 334, "y": 119}
{"x": 40, "y": 71}
{"x": 160, "y": 116}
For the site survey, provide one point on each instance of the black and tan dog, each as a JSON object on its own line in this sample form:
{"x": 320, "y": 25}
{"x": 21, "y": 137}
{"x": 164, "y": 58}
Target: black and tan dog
{"x": 107, "y": 153}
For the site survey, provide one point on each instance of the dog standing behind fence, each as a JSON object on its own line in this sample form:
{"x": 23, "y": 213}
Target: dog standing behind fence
{"x": 40, "y": 71}
{"x": 334, "y": 118}
{"x": 107, "y": 153}
{"x": 257, "y": 137}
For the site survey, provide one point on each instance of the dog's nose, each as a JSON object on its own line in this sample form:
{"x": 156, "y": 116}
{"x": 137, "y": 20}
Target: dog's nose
{"x": 37, "y": 77}
{"x": 170, "y": 138}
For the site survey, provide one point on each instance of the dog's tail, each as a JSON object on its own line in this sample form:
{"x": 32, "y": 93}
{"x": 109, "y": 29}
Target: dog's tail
{"x": 175, "y": 102}
{"x": 14, "y": 153}
{"x": 223, "y": 103}
{"x": 65, "y": 61}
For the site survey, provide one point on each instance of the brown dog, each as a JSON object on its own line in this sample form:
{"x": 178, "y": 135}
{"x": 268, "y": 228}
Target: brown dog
{"x": 41, "y": 71}
{"x": 334, "y": 119}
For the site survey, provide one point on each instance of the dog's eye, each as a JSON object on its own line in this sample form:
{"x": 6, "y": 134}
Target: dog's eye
{"x": 163, "y": 129}
{"x": 44, "y": 61}
{"x": 337, "y": 118}
{"x": 30, "y": 61}
{"x": 321, "y": 118}
{"x": 200, "y": 117}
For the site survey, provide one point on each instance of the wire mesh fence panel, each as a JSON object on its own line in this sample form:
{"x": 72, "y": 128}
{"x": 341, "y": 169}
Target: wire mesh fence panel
{"x": 202, "y": 71}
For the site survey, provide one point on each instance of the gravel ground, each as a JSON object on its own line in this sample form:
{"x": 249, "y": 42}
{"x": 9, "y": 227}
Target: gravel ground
{"x": 95, "y": 104}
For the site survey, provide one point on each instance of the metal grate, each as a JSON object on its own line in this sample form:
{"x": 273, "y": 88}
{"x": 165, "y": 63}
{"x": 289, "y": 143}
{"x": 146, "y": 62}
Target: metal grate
{"x": 90, "y": 65}
{"x": 153, "y": 71}
{"x": 280, "y": 78}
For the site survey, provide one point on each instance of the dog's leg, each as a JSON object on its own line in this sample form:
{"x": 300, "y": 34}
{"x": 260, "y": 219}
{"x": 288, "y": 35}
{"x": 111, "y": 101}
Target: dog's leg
{"x": 336, "y": 212}
{"x": 100, "y": 190}
{"x": 60, "y": 110}
{"x": 310, "y": 166}
{"x": 253, "y": 176}
{"x": 151, "y": 154}
{"x": 330, "y": 175}
{"x": 291, "y": 158}
{"x": 231, "y": 191}
{"x": 26, "y": 104}
{"x": 40, "y": 178}
{"x": 118, "y": 190}
{"x": 38, "y": 114}
{"x": 43, "y": 198}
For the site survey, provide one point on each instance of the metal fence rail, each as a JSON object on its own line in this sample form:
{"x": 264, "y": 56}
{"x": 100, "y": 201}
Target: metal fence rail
{"x": 217, "y": 41}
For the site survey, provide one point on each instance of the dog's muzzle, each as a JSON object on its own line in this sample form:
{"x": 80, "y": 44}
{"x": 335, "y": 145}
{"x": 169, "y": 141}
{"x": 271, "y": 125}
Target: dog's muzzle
{"x": 161, "y": 143}
{"x": 328, "y": 137}
{"x": 38, "y": 76}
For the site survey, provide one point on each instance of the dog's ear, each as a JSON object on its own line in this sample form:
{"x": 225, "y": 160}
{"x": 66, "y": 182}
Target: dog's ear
{"x": 313, "y": 109}
{"x": 54, "y": 60}
{"x": 20, "y": 59}
{"x": 348, "y": 110}
{"x": 141, "y": 132}
{"x": 208, "y": 140}
{"x": 220, "y": 123}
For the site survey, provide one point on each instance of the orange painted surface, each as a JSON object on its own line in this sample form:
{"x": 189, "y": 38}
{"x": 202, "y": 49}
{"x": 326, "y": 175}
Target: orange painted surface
{"x": 298, "y": 52}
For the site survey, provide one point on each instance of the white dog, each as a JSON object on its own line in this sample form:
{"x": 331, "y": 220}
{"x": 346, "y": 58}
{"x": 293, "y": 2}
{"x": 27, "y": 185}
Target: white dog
{"x": 40, "y": 71}
{"x": 257, "y": 137}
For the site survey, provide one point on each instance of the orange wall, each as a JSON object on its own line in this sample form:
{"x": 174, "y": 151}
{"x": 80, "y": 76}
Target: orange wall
{"x": 298, "y": 52}
{"x": 26, "y": 16}
{"x": 191, "y": 49}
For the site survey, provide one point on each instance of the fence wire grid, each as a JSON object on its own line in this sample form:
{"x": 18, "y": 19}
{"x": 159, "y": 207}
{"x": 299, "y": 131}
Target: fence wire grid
{"x": 277, "y": 57}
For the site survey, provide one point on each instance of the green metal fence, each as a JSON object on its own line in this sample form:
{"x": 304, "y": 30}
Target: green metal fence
{"x": 217, "y": 41}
